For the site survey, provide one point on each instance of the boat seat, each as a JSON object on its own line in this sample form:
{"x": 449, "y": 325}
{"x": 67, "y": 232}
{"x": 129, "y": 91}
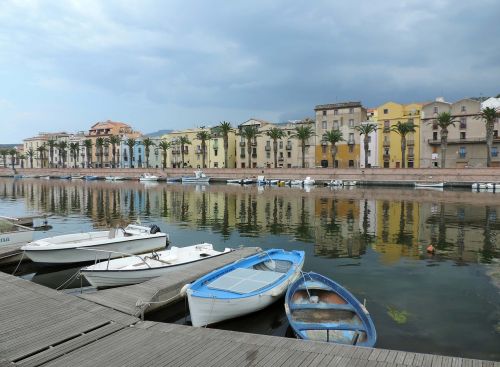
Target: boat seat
{"x": 328, "y": 326}
{"x": 322, "y": 306}
{"x": 112, "y": 233}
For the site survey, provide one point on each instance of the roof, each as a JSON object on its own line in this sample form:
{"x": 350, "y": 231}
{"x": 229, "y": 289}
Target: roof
{"x": 102, "y": 124}
{"x": 332, "y": 106}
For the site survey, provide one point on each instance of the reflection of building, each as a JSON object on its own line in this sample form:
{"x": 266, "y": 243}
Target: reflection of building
{"x": 390, "y": 155}
{"x": 345, "y": 117}
{"x": 289, "y": 150}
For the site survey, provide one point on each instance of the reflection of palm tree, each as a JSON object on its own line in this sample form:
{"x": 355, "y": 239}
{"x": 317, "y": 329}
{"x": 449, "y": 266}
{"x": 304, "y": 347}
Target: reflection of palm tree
{"x": 303, "y": 230}
{"x": 442, "y": 227}
{"x": 225, "y": 231}
{"x": 488, "y": 251}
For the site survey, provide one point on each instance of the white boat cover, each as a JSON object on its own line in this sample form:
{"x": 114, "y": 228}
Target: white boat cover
{"x": 243, "y": 280}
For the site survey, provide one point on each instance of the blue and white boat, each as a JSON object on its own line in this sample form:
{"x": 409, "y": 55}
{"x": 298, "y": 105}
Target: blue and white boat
{"x": 243, "y": 287}
{"x": 320, "y": 309}
{"x": 199, "y": 177}
{"x": 90, "y": 178}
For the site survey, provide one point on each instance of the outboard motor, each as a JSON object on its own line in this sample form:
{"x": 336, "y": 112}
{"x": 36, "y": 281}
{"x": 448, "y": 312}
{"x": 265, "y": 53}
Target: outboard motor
{"x": 154, "y": 229}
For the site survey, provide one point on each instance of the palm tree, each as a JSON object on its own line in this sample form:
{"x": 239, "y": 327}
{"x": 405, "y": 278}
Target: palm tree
{"x": 164, "y": 146}
{"x": 403, "y": 129}
{"x": 444, "y": 120}
{"x": 275, "y": 133}
{"x": 489, "y": 115}
{"x": 183, "y": 141}
{"x": 148, "y": 143}
{"x": 74, "y": 149}
{"x": 52, "y": 144}
{"x": 30, "y": 153}
{"x": 13, "y": 154}
{"x": 4, "y": 153}
{"x": 225, "y": 128}
{"x": 333, "y": 137}
{"x": 250, "y": 133}
{"x": 114, "y": 140}
{"x": 88, "y": 148}
{"x": 22, "y": 157}
{"x": 62, "y": 145}
{"x": 203, "y": 136}
{"x": 303, "y": 133}
{"x": 42, "y": 149}
{"x": 131, "y": 144}
{"x": 366, "y": 130}
{"x": 99, "y": 146}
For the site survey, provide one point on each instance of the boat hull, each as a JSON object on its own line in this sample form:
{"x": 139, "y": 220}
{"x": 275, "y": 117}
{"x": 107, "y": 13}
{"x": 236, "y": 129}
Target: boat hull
{"x": 75, "y": 255}
{"x": 195, "y": 180}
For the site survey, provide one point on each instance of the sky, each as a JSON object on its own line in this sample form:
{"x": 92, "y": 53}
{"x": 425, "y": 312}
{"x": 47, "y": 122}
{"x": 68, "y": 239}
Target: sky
{"x": 154, "y": 64}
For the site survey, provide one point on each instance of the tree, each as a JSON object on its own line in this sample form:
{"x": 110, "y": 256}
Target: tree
{"x": 225, "y": 128}
{"x": 4, "y": 153}
{"x": 30, "y": 153}
{"x": 22, "y": 157}
{"x": 489, "y": 115}
{"x": 249, "y": 133}
{"x": 99, "y": 146}
{"x": 52, "y": 144}
{"x": 366, "y": 130}
{"x": 183, "y": 141}
{"x": 62, "y": 146}
{"x": 13, "y": 154}
{"x": 443, "y": 121}
{"x": 275, "y": 133}
{"x": 88, "y": 151}
{"x": 403, "y": 129}
{"x": 303, "y": 133}
{"x": 131, "y": 144}
{"x": 333, "y": 137}
{"x": 148, "y": 143}
{"x": 42, "y": 150}
{"x": 164, "y": 146}
{"x": 114, "y": 140}
{"x": 203, "y": 136}
{"x": 74, "y": 149}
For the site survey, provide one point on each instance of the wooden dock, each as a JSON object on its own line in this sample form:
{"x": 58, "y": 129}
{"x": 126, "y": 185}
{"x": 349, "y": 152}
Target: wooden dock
{"x": 10, "y": 253}
{"x": 41, "y": 326}
{"x": 159, "y": 292}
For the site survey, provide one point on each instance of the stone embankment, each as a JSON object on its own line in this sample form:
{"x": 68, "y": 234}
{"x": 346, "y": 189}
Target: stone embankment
{"x": 376, "y": 176}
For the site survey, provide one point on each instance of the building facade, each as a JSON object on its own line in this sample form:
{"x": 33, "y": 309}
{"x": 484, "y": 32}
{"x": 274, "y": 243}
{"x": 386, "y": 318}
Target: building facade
{"x": 466, "y": 145}
{"x": 390, "y": 153}
{"x": 345, "y": 117}
{"x": 373, "y": 146}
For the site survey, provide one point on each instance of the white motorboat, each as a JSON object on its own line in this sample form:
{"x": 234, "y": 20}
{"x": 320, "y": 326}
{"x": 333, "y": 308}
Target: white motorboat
{"x": 199, "y": 177}
{"x": 139, "y": 268}
{"x": 13, "y": 234}
{"x": 247, "y": 181}
{"x": 77, "y": 177}
{"x": 335, "y": 183}
{"x": 308, "y": 181}
{"x": 114, "y": 178}
{"x": 429, "y": 184}
{"x": 45, "y": 177}
{"x": 78, "y": 247}
{"x": 245, "y": 286}
{"x": 148, "y": 177}
{"x": 296, "y": 182}
{"x": 350, "y": 183}
{"x": 234, "y": 181}
{"x": 261, "y": 180}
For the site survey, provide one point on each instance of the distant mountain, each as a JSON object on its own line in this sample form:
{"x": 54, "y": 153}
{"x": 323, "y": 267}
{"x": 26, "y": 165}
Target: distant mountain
{"x": 158, "y": 133}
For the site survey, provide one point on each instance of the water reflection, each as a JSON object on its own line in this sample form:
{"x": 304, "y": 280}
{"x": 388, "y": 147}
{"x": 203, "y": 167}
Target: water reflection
{"x": 337, "y": 226}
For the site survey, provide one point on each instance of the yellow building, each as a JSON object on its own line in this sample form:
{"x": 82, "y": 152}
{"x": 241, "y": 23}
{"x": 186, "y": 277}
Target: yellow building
{"x": 389, "y": 150}
{"x": 193, "y": 155}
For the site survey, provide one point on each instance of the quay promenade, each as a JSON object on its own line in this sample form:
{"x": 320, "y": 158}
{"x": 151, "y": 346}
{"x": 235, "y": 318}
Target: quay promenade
{"x": 41, "y": 326}
{"x": 376, "y": 176}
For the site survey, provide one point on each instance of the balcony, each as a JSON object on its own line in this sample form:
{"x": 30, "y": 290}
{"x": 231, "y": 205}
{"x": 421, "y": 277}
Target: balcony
{"x": 254, "y": 155}
{"x": 387, "y": 143}
{"x": 410, "y": 142}
{"x": 324, "y": 143}
{"x": 288, "y": 147}
{"x": 242, "y": 155}
{"x": 411, "y": 156}
{"x": 458, "y": 141}
{"x": 351, "y": 142}
{"x": 242, "y": 143}
{"x": 386, "y": 157}
{"x": 268, "y": 148}
{"x": 254, "y": 143}
{"x": 281, "y": 159}
{"x": 387, "y": 129}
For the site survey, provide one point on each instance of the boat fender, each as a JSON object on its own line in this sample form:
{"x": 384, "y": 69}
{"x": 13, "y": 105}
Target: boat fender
{"x": 183, "y": 291}
{"x": 431, "y": 249}
{"x": 154, "y": 229}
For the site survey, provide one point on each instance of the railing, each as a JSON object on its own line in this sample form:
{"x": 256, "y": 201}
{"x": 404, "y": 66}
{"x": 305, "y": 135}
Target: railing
{"x": 254, "y": 155}
{"x": 242, "y": 143}
{"x": 268, "y": 148}
{"x": 288, "y": 147}
{"x": 351, "y": 142}
{"x": 386, "y": 157}
{"x": 410, "y": 142}
{"x": 387, "y": 143}
{"x": 242, "y": 155}
{"x": 458, "y": 141}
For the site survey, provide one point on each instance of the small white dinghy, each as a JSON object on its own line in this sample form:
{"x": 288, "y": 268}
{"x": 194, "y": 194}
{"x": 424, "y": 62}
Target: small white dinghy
{"x": 79, "y": 247}
{"x": 140, "y": 268}
{"x": 148, "y": 177}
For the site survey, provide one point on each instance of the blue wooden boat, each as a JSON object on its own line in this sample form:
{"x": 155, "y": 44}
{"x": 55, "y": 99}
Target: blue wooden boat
{"x": 243, "y": 287}
{"x": 320, "y": 309}
{"x": 90, "y": 178}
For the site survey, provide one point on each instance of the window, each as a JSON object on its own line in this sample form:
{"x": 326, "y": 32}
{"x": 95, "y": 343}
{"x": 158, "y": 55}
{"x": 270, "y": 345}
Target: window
{"x": 351, "y": 163}
{"x": 410, "y": 152}
{"x": 289, "y": 154}
{"x": 335, "y": 112}
{"x": 462, "y": 152}
{"x": 281, "y": 154}
{"x": 268, "y": 154}
{"x": 351, "y": 110}
{"x": 351, "y": 137}
{"x": 281, "y": 145}
{"x": 463, "y": 109}
{"x": 495, "y": 134}
{"x": 351, "y": 122}
{"x": 435, "y": 135}
{"x": 462, "y": 135}
{"x": 323, "y": 149}
{"x": 216, "y": 164}
{"x": 436, "y": 109}
{"x": 386, "y": 111}
{"x": 463, "y": 122}
{"x": 324, "y": 125}
{"x": 324, "y": 113}
{"x": 215, "y": 152}
{"x": 387, "y": 124}
{"x": 351, "y": 148}
{"x": 369, "y": 139}
{"x": 494, "y": 151}
{"x": 369, "y": 153}
{"x": 335, "y": 124}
